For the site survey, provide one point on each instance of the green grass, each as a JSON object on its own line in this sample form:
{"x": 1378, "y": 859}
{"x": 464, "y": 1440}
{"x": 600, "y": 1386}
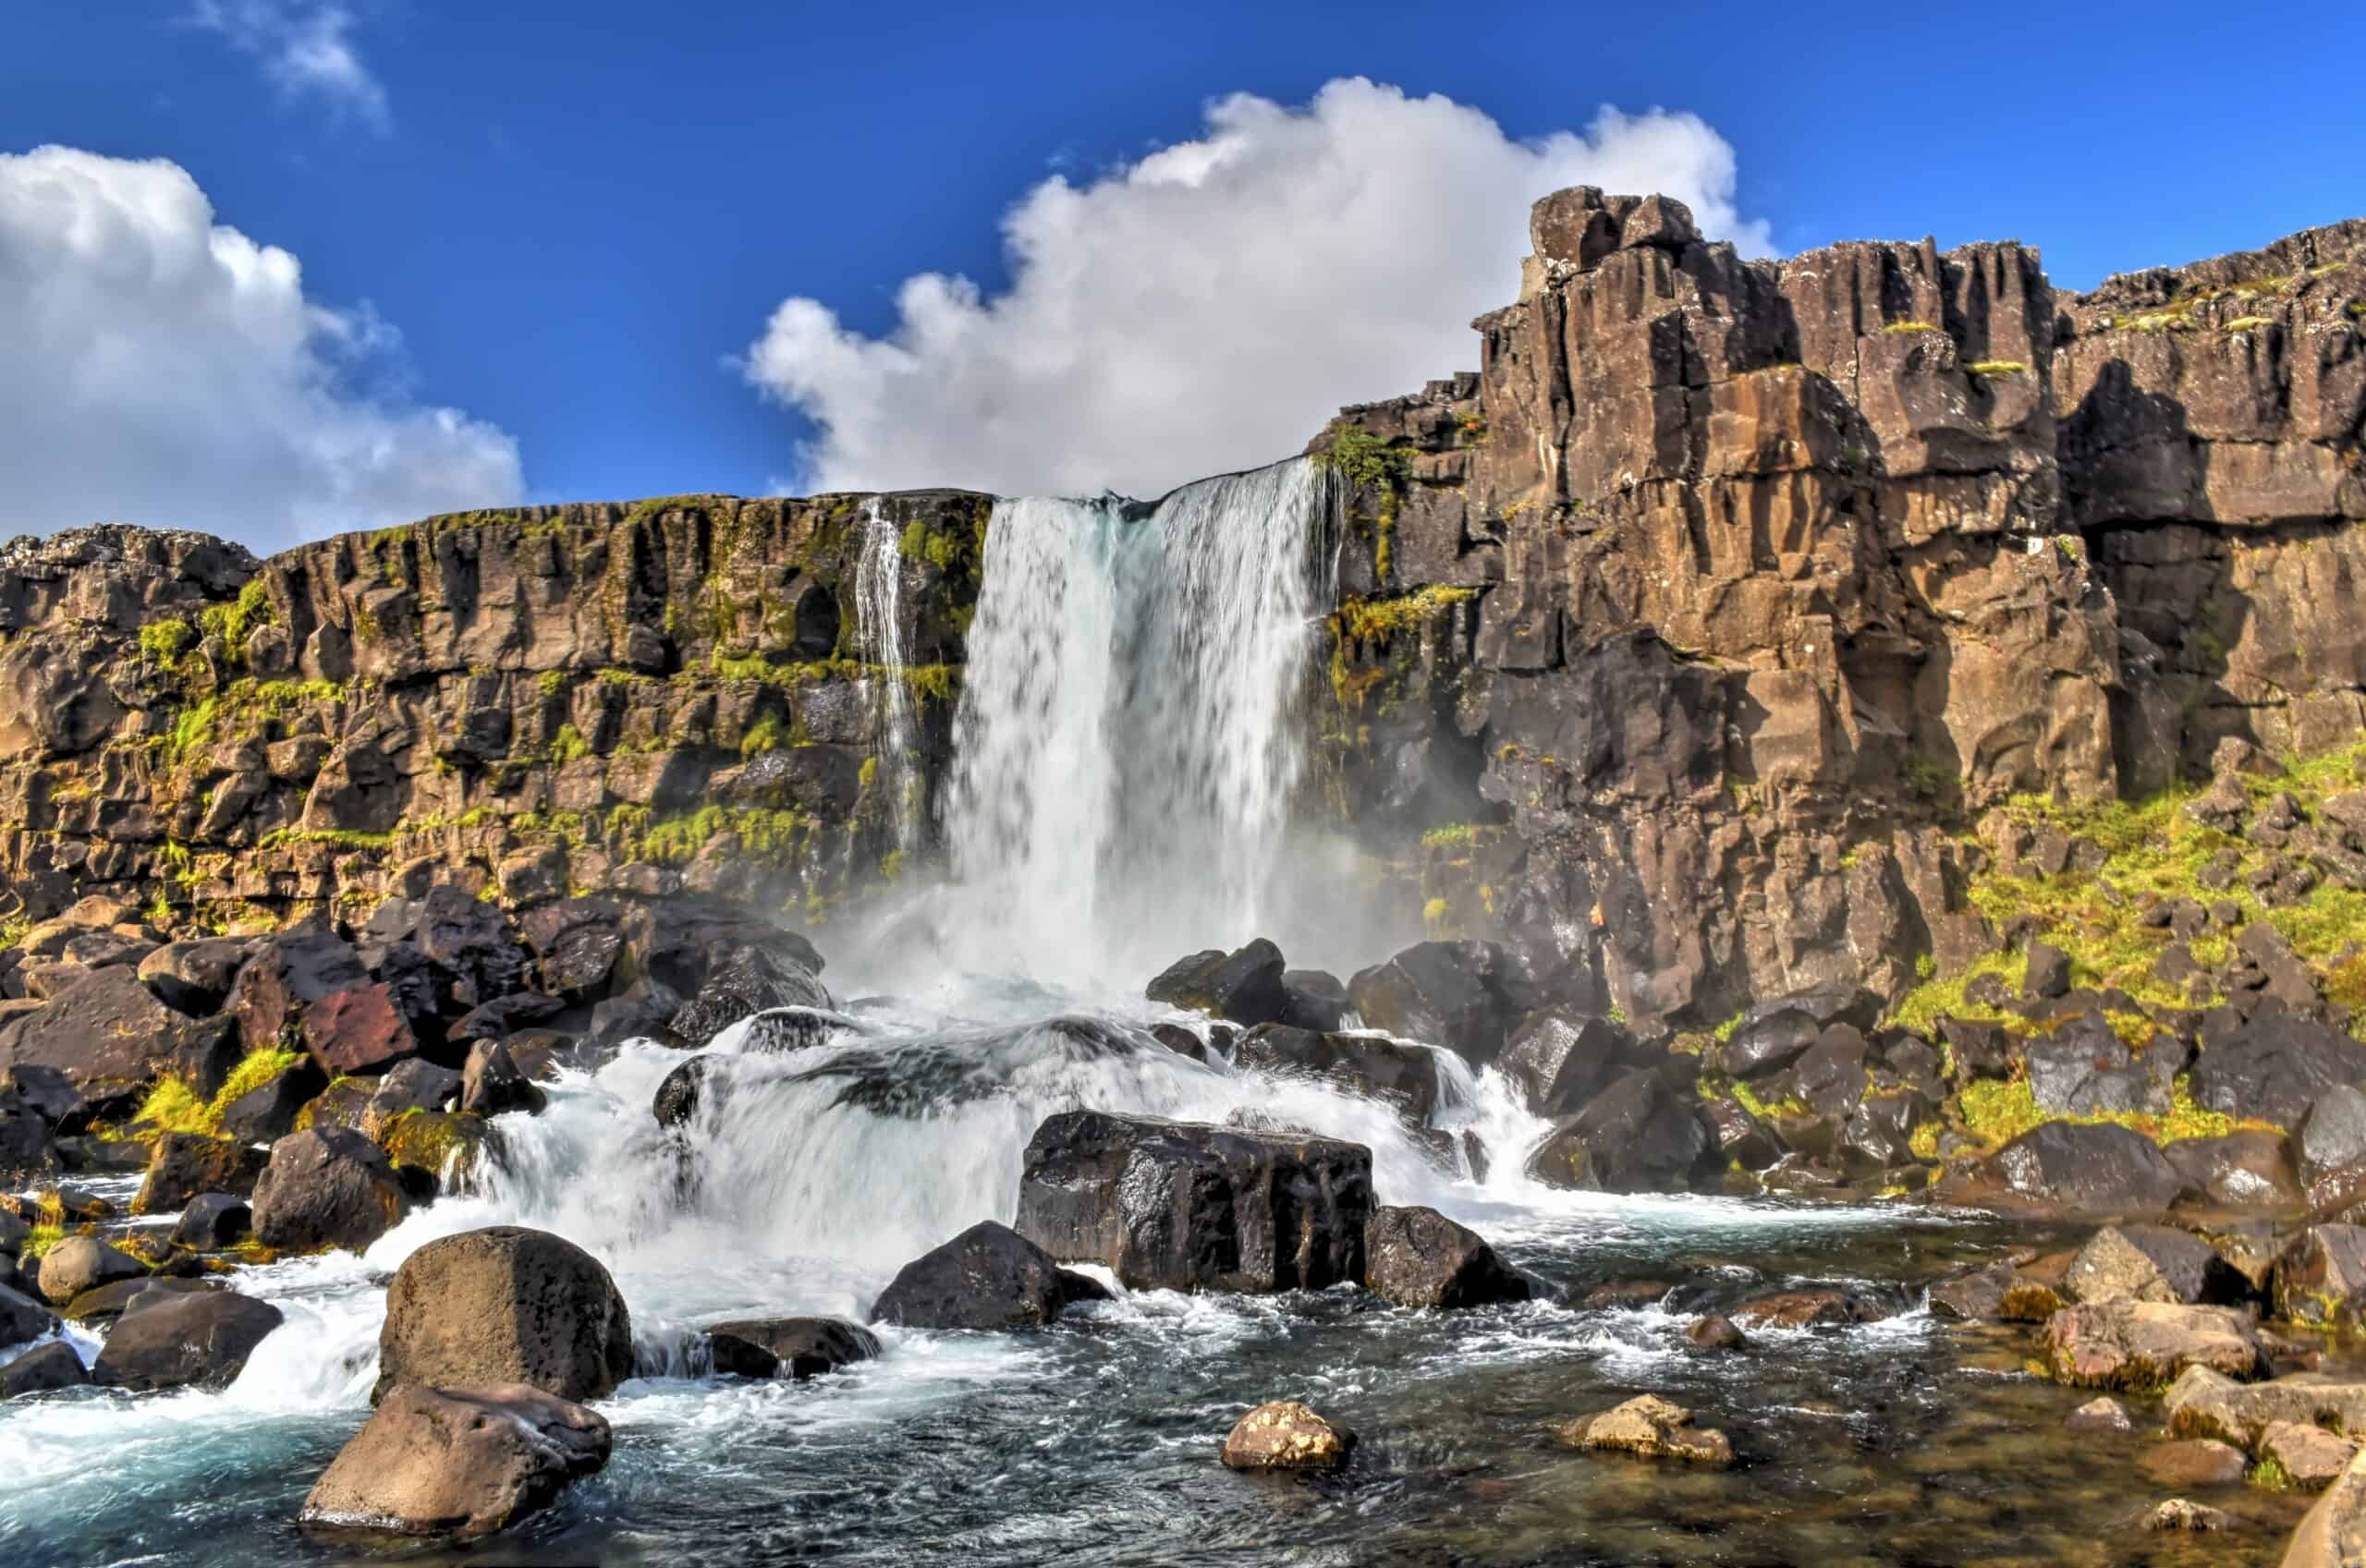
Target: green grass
{"x": 1367, "y": 620}
{"x": 1362, "y": 458}
{"x": 1997, "y": 1111}
{"x": 44, "y": 1236}
{"x": 163, "y": 642}
{"x": 172, "y": 1106}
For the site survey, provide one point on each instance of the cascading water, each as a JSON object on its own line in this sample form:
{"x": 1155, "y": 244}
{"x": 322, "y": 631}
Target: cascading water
{"x": 879, "y": 593}
{"x": 1128, "y": 740}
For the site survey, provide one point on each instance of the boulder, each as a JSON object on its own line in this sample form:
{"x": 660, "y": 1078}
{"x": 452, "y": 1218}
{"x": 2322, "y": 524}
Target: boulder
{"x": 169, "y": 1338}
{"x": 575, "y": 943}
{"x": 1287, "y": 1436}
{"x": 505, "y": 1304}
{"x": 2331, "y": 1140}
{"x": 1772, "y": 1035}
{"x": 2140, "y": 1344}
{"x": 453, "y": 951}
{"x": 1246, "y": 986}
{"x": 2045, "y": 974}
{"x": 1649, "y": 1428}
{"x": 22, "y": 1317}
{"x": 788, "y": 1347}
{"x": 49, "y": 1095}
{"x": 2154, "y": 1263}
{"x": 81, "y": 1263}
{"x": 268, "y": 1111}
{"x": 283, "y": 977}
{"x": 1831, "y": 1077}
{"x": 1316, "y": 999}
{"x": 42, "y": 1369}
{"x": 26, "y": 1149}
{"x": 2085, "y": 1069}
{"x": 1713, "y": 1331}
{"x": 2196, "y": 1461}
{"x": 108, "y": 1034}
{"x": 194, "y": 978}
{"x": 2333, "y": 1533}
{"x": 1405, "y": 1075}
{"x": 1181, "y": 1206}
{"x": 214, "y": 1220}
{"x": 2073, "y": 1168}
{"x": 1462, "y": 995}
{"x": 1638, "y": 1135}
{"x": 492, "y": 1084}
{"x": 326, "y": 1187}
{"x": 360, "y": 1029}
{"x": 2320, "y": 1276}
{"x": 1558, "y": 1059}
{"x": 2310, "y": 1457}
{"x": 2101, "y": 1413}
{"x": 988, "y": 1277}
{"x": 749, "y": 981}
{"x": 1806, "y": 1309}
{"x": 415, "y": 1085}
{"x": 457, "y": 1464}
{"x": 2246, "y": 1169}
{"x": 107, "y": 1303}
{"x": 1418, "y": 1258}
{"x": 680, "y": 1091}
{"x": 2179, "y": 1513}
{"x": 2275, "y": 1066}
{"x": 184, "y": 1164}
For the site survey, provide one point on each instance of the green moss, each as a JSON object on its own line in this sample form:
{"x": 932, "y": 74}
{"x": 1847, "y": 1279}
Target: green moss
{"x": 1997, "y": 368}
{"x": 1435, "y": 912}
{"x": 340, "y": 838}
{"x": 1997, "y": 1111}
{"x": 1362, "y": 458}
{"x": 1368, "y": 620}
{"x": 43, "y": 1235}
{"x": 568, "y": 745}
{"x": 163, "y": 642}
{"x": 768, "y": 734}
{"x": 172, "y": 1106}
{"x": 1909, "y": 326}
{"x": 550, "y": 683}
{"x": 2247, "y": 323}
{"x": 193, "y": 727}
{"x": 2270, "y": 1474}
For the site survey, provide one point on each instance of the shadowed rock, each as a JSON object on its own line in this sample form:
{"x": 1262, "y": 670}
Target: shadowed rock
{"x": 505, "y": 1304}
{"x": 788, "y": 1347}
{"x": 988, "y": 1277}
{"x": 456, "y": 1462}
{"x": 1418, "y": 1258}
{"x": 169, "y": 1338}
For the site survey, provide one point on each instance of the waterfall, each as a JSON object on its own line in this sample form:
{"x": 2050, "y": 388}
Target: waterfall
{"x": 1128, "y": 738}
{"x": 878, "y": 590}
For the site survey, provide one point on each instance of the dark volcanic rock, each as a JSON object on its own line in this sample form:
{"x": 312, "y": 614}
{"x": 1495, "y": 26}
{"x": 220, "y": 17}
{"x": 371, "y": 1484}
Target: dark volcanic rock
{"x": 22, "y": 1317}
{"x": 505, "y": 1304}
{"x": 1173, "y": 1205}
{"x": 679, "y": 1093}
{"x": 2320, "y": 1276}
{"x": 214, "y": 1220}
{"x": 1637, "y": 1136}
{"x": 1560, "y": 1059}
{"x": 1246, "y": 986}
{"x": 267, "y": 1112}
{"x": 42, "y": 1369}
{"x": 326, "y": 1187}
{"x": 81, "y": 1263}
{"x": 184, "y": 1164}
{"x": 491, "y": 1083}
{"x": 2071, "y": 1168}
{"x": 169, "y": 1338}
{"x": 456, "y": 1462}
{"x": 2275, "y": 1067}
{"x": 107, "y": 1032}
{"x": 2084, "y": 1069}
{"x": 1405, "y": 1075}
{"x": 2154, "y": 1263}
{"x": 1418, "y": 1258}
{"x": 194, "y": 977}
{"x": 1462, "y": 995}
{"x": 749, "y": 981}
{"x": 988, "y": 1277}
{"x": 790, "y": 1347}
{"x": 1317, "y": 1000}
{"x": 285, "y": 975}
{"x": 1773, "y": 1034}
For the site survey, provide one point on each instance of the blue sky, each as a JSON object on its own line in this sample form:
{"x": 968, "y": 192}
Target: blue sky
{"x": 573, "y": 214}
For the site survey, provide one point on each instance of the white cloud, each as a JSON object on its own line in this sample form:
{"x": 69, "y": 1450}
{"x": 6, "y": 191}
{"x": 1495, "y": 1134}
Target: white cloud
{"x": 1208, "y": 308}
{"x": 306, "y": 49}
{"x": 163, "y": 369}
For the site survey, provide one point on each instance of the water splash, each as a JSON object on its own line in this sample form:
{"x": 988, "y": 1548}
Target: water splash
{"x": 879, "y": 591}
{"x": 1129, "y": 735}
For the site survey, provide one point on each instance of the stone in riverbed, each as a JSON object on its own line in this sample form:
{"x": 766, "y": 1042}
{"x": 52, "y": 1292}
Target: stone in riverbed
{"x": 81, "y": 1263}
{"x": 505, "y": 1304}
{"x": 1773, "y": 1034}
{"x": 1462, "y": 995}
{"x": 22, "y": 1317}
{"x": 1287, "y": 1436}
{"x": 2333, "y": 1533}
{"x": 214, "y": 1220}
{"x": 1558, "y": 1059}
{"x": 2179, "y": 1514}
{"x": 491, "y": 1083}
{"x": 2204, "y": 1403}
{"x": 988, "y": 1277}
{"x": 326, "y": 1187}
{"x": 788, "y": 1347}
{"x": 2139, "y": 1345}
{"x": 1182, "y": 1206}
{"x": 2320, "y": 1276}
{"x": 2103, "y": 1414}
{"x": 185, "y": 1165}
{"x": 1245, "y": 985}
{"x": 1636, "y": 1136}
{"x": 2196, "y": 1461}
{"x": 169, "y": 1338}
{"x": 457, "y": 1464}
{"x": 1404, "y": 1076}
{"x": 1714, "y": 1332}
{"x": 2154, "y": 1263}
{"x": 2073, "y": 1169}
{"x": 2310, "y": 1456}
{"x": 42, "y": 1369}
{"x": 1649, "y": 1427}
{"x": 106, "y": 1303}
{"x": 748, "y": 982}
{"x": 1806, "y": 1309}
{"x": 1418, "y": 1258}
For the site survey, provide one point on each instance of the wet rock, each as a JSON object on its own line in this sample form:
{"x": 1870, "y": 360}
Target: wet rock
{"x": 169, "y": 1338}
{"x": 1180, "y": 1040}
{"x": 2207, "y": 1404}
{"x": 492, "y": 1084}
{"x": 1462, "y": 995}
{"x": 2199, "y": 1462}
{"x": 195, "y": 977}
{"x": 42, "y": 1369}
{"x": 1418, "y": 1258}
{"x": 2154, "y": 1263}
{"x": 2320, "y": 1276}
{"x": 2138, "y": 1345}
{"x": 456, "y": 1462}
{"x": 505, "y": 1304}
{"x": 1806, "y": 1309}
{"x": 575, "y": 943}
{"x": 988, "y": 1277}
{"x": 1772, "y": 1035}
{"x": 81, "y": 1263}
{"x": 1617, "y": 1295}
{"x": 1649, "y": 1428}
{"x": 1181, "y": 1206}
{"x": 749, "y": 981}
{"x": 777, "y": 1031}
{"x": 412, "y": 1086}
{"x": 1638, "y": 1135}
{"x": 681, "y": 1091}
{"x": 214, "y": 1220}
{"x": 1287, "y": 1436}
{"x": 1317, "y": 1000}
{"x": 2085, "y": 1069}
{"x": 326, "y": 1187}
{"x": 1246, "y": 986}
{"x": 1558, "y": 1059}
{"x": 2179, "y": 1513}
{"x": 2073, "y": 1169}
{"x": 2333, "y": 1533}
{"x": 2310, "y": 1456}
{"x": 2103, "y": 1414}
{"x": 1405, "y": 1075}
{"x": 108, "y": 1302}
{"x": 22, "y": 1317}
{"x": 1973, "y": 1296}
{"x": 790, "y": 1347}
{"x": 2275, "y": 1067}
{"x": 184, "y": 1164}
{"x": 1714, "y": 1332}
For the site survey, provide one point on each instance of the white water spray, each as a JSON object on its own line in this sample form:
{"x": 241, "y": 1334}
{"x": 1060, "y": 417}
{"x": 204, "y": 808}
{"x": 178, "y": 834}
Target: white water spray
{"x": 878, "y": 592}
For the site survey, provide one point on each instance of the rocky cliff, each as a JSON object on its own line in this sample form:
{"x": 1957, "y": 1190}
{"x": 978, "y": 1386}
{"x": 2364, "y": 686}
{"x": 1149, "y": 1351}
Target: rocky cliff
{"x": 1707, "y": 628}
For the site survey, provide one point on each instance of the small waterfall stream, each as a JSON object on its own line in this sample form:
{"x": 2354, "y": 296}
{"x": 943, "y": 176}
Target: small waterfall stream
{"x": 879, "y": 607}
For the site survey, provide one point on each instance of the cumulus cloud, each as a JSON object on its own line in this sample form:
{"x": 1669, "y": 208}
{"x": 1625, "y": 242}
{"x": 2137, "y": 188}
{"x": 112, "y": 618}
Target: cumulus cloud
{"x": 165, "y": 369}
{"x": 307, "y": 51}
{"x": 1207, "y": 308}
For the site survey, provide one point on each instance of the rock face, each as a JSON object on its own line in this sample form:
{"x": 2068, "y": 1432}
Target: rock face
{"x": 2333, "y": 1534}
{"x": 1637, "y": 1136}
{"x": 1287, "y": 1436}
{"x": 456, "y": 1462}
{"x": 1176, "y": 1206}
{"x": 1418, "y": 1258}
{"x": 502, "y": 1306}
{"x": 988, "y": 1277}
